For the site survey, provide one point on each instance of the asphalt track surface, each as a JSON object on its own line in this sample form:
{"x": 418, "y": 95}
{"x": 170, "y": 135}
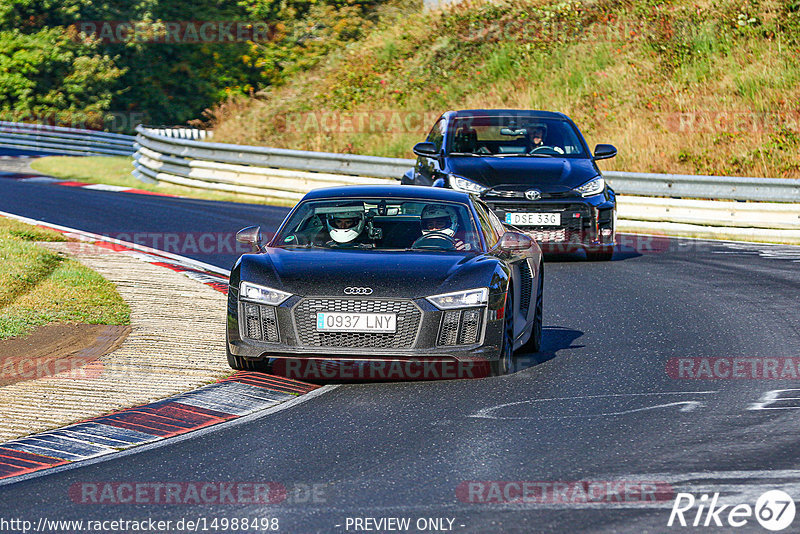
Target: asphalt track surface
{"x": 597, "y": 404}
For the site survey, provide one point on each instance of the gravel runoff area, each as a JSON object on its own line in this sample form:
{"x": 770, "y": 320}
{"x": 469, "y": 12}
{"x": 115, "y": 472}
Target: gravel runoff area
{"x": 175, "y": 344}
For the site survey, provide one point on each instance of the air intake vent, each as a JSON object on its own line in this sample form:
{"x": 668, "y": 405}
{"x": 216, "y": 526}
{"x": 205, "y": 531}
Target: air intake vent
{"x": 526, "y": 279}
{"x": 460, "y": 327}
{"x": 260, "y": 322}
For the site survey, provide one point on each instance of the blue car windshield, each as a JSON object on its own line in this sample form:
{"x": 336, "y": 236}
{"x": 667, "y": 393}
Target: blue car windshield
{"x": 380, "y": 224}
{"x": 513, "y": 135}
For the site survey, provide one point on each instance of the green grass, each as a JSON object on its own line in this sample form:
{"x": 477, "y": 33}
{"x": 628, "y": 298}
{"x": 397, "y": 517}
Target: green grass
{"x": 38, "y": 286}
{"x": 116, "y": 170}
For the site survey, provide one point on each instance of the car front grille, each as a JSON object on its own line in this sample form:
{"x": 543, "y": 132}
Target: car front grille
{"x": 260, "y": 322}
{"x": 549, "y": 236}
{"x": 408, "y": 318}
{"x": 570, "y": 229}
{"x": 460, "y": 327}
{"x": 520, "y": 193}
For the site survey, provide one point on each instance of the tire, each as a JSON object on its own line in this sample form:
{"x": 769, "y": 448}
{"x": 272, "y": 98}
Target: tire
{"x": 534, "y": 344}
{"x": 502, "y": 365}
{"x": 601, "y": 253}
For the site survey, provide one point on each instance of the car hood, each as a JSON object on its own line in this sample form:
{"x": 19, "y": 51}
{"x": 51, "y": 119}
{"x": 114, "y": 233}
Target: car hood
{"x": 403, "y": 274}
{"x": 547, "y": 174}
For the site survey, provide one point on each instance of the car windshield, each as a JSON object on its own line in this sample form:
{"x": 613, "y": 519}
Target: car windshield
{"x": 513, "y": 135}
{"x": 380, "y": 224}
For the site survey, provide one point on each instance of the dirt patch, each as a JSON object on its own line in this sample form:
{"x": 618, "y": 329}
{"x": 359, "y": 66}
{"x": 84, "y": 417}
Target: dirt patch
{"x": 70, "y": 351}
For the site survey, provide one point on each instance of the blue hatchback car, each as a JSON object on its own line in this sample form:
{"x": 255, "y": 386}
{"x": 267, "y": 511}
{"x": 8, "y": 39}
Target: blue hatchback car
{"x": 532, "y": 168}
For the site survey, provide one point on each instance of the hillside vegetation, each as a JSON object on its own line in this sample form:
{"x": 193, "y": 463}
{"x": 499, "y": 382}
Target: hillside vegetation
{"x": 677, "y": 86}
{"x": 112, "y": 65}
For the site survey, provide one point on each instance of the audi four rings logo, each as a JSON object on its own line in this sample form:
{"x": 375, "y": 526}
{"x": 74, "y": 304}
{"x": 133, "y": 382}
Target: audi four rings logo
{"x": 533, "y": 194}
{"x": 358, "y": 291}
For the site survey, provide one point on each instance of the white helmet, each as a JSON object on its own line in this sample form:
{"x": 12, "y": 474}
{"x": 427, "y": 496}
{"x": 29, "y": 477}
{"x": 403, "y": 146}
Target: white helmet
{"x": 347, "y": 224}
{"x": 441, "y": 219}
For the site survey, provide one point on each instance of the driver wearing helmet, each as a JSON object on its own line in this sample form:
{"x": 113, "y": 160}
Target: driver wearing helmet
{"x": 346, "y": 227}
{"x": 441, "y": 220}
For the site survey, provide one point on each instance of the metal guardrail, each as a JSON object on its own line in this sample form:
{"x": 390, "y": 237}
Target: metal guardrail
{"x": 702, "y": 201}
{"x": 705, "y": 187}
{"x": 191, "y": 153}
{"x": 67, "y": 141}
{"x": 180, "y": 158}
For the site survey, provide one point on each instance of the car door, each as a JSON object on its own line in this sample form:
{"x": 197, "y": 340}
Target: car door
{"x": 428, "y": 169}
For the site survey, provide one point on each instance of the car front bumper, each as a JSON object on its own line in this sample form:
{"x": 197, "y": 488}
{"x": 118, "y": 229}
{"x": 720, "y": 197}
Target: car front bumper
{"x": 585, "y": 222}
{"x": 424, "y": 332}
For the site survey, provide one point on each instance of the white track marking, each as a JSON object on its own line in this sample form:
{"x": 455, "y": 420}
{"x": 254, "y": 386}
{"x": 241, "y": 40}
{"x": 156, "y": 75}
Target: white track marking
{"x": 773, "y": 397}
{"x": 687, "y": 406}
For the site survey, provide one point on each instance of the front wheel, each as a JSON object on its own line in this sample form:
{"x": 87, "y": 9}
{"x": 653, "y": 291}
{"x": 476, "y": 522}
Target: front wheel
{"x": 502, "y": 365}
{"x": 601, "y": 253}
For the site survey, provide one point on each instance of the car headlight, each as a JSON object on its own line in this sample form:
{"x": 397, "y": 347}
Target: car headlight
{"x": 264, "y": 295}
{"x": 592, "y": 187}
{"x": 467, "y": 186}
{"x": 460, "y": 299}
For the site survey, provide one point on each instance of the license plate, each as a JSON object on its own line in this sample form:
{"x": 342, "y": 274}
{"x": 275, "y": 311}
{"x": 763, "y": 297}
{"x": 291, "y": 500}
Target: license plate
{"x": 534, "y": 219}
{"x": 356, "y": 322}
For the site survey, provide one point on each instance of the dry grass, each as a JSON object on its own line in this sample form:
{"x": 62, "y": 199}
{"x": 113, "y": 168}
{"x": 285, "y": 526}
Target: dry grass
{"x": 721, "y": 101}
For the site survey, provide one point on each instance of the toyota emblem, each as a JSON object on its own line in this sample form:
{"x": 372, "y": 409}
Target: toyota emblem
{"x": 358, "y": 291}
{"x": 533, "y": 194}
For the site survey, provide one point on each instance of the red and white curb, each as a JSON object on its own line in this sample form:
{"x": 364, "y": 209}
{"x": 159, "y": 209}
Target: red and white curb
{"x": 242, "y": 394}
{"x": 42, "y": 179}
{"x": 237, "y": 396}
{"x": 210, "y": 275}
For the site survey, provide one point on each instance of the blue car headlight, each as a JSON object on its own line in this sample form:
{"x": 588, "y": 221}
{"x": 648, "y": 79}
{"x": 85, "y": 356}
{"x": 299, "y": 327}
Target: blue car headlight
{"x": 462, "y": 184}
{"x": 594, "y": 186}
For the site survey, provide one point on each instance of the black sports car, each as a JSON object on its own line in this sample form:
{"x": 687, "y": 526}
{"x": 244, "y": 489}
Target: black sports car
{"x": 386, "y": 273}
{"x": 533, "y": 168}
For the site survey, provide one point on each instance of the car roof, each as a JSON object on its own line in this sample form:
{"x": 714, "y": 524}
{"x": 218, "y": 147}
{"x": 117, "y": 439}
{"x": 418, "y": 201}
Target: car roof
{"x": 389, "y": 191}
{"x": 530, "y": 113}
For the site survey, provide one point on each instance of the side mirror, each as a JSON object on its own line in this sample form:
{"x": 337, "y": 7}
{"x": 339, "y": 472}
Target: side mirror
{"x": 604, "y": 151}
{"x": 426, "y": 150}
{"x": 251, "y": 236}
{"x": 514, "y": 241}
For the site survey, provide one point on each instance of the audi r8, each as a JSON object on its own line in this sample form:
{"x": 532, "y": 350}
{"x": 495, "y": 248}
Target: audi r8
{"x": 386, "y": 273}
{"x": 533, "y": 168}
